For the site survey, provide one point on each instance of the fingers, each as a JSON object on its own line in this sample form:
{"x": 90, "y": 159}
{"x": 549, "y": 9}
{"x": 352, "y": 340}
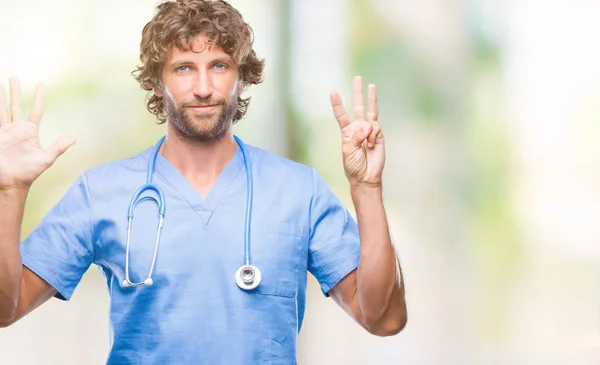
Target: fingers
{"x": 372, "y": 114}
{"x": 59, "y": 147}
{"x": 15, "y": 99}
{"x": 372, "y": 111}
{"x": 38, "y": 104}
{"x": 375, "y": 132}
{"x": 357, "y": 96}
{"x": 338, "y": 110}
{"x": 362, "y": 131}
{"x": 3, "y": 119}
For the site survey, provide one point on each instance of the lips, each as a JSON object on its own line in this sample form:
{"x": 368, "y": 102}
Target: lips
{"x": 202, "y": 107}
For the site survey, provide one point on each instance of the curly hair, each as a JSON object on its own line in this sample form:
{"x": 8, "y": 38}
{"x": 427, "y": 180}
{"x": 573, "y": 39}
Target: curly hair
{"x": 177, "y": 23}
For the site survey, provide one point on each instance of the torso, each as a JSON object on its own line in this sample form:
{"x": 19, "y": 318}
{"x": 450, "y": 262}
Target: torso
{"x": 195, "y": 310}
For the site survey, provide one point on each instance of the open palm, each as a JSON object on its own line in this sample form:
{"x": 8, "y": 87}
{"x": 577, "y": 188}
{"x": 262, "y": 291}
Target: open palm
{"x": 22, "y": 158}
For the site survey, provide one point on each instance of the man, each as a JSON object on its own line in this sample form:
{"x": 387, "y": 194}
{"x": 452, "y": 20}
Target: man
{"x": 223, "y": 279}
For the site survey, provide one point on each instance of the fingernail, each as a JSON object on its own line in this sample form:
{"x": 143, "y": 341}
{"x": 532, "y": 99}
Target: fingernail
{"x": 366, "y": 129}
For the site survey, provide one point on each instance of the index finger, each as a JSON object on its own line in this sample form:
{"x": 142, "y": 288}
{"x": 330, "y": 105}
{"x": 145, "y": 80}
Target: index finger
{"x": 3, "y": 119}
{"x": 38, "y": 104}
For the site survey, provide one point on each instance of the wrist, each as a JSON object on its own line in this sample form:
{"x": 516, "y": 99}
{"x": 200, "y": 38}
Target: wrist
{"x": 365, "y": 185}
{"x": 366, "y": 189}
{"x": 13, "y": 192}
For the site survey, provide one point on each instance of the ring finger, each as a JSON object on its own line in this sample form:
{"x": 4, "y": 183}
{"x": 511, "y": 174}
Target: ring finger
{"x": 3, "y": 119}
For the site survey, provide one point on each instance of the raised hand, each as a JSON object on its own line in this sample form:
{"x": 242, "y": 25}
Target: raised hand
{"x": 363, "y": 147}
{"x": 22, "y": 158}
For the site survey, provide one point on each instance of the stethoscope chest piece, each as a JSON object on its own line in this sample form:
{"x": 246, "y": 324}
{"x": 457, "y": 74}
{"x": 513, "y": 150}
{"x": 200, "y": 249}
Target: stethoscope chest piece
{"x": 248, "y": 277}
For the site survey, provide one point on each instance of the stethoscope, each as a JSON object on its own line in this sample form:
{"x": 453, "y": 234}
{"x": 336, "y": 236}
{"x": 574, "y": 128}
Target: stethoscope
{"x": 247, "y": 277}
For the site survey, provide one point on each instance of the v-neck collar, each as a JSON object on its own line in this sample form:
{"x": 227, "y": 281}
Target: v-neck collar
{"x": 203, "y": 206}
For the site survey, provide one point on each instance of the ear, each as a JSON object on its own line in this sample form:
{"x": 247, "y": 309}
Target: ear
{"x": 159, "y": 88}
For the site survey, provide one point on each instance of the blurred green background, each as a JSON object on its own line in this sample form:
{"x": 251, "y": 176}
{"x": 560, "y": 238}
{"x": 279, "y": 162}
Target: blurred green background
{"x": 490, "y": 111}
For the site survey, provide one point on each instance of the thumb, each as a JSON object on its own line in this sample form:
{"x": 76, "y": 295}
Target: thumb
{"x": 59, "y": 147}
{"x": 360, "y": 134}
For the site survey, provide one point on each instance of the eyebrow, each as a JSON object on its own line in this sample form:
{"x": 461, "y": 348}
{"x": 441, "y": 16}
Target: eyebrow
{"x": 225, "y": 60}
{"x": 177, "y": 64}
{"x": 180, "y": 63}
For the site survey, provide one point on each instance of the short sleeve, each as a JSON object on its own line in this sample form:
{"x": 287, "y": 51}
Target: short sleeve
{"x": 334, "y": 244}
{"x": 60, "y": 248}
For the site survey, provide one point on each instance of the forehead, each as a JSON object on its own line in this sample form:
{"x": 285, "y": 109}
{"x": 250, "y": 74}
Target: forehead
{"x": 198, "y": 50}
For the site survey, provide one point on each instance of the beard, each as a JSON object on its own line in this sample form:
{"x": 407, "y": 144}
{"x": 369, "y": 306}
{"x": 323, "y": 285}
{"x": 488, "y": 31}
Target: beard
{"x": 202, "y": 127}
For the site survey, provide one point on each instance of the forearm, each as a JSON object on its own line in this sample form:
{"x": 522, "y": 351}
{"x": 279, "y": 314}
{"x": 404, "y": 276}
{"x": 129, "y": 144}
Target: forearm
{"x": 11, "y": 216}
{"x": 380, "y": 291}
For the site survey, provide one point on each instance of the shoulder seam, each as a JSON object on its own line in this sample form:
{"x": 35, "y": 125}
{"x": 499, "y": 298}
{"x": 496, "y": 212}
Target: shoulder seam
{"x": 310, "y": 206}
{"x": 91, "y": 222}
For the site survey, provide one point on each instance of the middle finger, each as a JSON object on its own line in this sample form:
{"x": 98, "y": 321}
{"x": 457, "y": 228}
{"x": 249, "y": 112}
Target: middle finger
{"x": 15, "y": 99}
{"x": 357, "y": 93}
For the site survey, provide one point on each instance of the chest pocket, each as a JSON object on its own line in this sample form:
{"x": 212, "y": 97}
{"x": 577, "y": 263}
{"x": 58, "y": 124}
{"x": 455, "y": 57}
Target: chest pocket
{"x": 276, "y": 250}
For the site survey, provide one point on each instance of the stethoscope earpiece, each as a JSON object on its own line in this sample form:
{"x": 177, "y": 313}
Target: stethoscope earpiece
{"x": 248, "y": 277}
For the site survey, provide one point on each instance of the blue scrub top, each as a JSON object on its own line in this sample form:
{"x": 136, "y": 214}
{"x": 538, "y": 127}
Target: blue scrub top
{"x": 195, "y": 313}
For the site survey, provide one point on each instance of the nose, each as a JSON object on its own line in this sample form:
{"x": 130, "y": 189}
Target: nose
{"x": 203, "y": 86}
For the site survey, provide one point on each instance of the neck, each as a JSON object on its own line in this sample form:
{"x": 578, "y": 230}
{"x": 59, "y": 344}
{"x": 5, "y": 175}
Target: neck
{"x": 200, "y": 162}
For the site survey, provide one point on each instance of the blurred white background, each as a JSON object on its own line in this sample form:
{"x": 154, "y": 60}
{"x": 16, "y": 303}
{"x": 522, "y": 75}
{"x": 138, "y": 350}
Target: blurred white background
{"x": 491, "y": 113}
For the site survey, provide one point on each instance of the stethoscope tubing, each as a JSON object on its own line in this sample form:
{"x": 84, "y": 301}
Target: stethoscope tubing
{"x": 160, "y": 200}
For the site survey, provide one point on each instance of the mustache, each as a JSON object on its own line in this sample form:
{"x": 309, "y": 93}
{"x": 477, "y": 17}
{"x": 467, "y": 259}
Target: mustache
{"x": 202, "y": 102}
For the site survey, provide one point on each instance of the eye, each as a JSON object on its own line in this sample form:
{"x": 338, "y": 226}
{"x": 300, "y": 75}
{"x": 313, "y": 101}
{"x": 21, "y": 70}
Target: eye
{"x": 220, "y": 67}
{"x": 182, "y": 69}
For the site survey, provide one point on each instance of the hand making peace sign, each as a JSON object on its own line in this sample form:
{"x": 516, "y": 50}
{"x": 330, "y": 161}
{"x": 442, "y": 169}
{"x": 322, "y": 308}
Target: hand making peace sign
{"x": 363, "y": 147}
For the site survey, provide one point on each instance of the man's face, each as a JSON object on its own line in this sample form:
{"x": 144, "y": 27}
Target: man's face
{"x": 200, "y": 91}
